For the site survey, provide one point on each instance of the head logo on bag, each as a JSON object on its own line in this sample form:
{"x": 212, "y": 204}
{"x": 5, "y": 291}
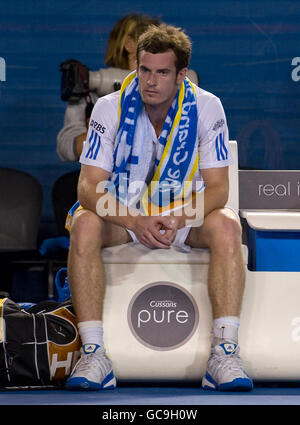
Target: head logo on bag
{"x": 63, "y": 343}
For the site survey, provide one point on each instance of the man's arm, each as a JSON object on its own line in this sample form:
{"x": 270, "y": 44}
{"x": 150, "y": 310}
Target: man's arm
{"x": 216, "y": 188}
{"x": 88, "y": 196}
{"x": 147, "y": 229}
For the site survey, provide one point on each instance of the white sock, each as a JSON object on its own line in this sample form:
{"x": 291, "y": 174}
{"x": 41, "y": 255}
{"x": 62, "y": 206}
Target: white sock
{"x": 226, "y": 328}
{"x": 91, "y": 332}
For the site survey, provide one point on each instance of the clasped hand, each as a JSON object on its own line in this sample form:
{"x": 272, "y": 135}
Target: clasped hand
{"x": 156, "y": 231}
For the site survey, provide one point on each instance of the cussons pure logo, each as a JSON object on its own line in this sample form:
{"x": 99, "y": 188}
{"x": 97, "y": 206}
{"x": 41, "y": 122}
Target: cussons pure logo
{"x": 163, "y": 316}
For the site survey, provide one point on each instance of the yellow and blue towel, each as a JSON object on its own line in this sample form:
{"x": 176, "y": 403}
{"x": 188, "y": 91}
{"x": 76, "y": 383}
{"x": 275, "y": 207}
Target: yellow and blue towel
{"x": 176, "y": 159}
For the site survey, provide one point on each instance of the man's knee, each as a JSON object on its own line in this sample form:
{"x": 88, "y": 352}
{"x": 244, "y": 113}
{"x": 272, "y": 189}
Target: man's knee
{"x": 86, "y": 232}
{"x": 224, "y": 229}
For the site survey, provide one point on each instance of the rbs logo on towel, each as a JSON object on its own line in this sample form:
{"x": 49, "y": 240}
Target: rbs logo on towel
{"x": 163, "y": 316}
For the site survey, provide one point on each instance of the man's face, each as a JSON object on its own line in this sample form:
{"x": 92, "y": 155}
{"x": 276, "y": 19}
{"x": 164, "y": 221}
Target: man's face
{"x": 158, "y": 81}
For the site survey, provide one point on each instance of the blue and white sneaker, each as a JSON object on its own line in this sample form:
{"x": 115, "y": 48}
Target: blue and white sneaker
{"x": 93, "y": 371}
{"x": 225, "y": 371}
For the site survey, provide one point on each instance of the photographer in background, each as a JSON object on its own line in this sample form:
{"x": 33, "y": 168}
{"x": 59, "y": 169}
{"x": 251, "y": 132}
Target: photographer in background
{"x": 120, "y": 55}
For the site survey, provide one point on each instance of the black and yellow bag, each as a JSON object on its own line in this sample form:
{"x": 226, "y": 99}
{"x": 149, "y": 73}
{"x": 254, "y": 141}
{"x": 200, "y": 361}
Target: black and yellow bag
{"x": 38, "y": 346}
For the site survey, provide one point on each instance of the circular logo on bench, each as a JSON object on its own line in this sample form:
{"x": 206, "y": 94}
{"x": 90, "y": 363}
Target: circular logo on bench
{"x": 163, "y": 315}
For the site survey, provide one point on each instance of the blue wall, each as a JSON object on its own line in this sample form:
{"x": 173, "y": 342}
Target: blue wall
{"x": 243, "y": 51}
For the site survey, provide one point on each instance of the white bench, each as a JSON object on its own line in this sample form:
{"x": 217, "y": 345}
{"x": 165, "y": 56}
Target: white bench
{"x": 131, "y": 268}
{"x": 157, "y": 314}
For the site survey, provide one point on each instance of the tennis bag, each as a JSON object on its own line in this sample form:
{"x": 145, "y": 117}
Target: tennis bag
{"x": 39, "y": 345}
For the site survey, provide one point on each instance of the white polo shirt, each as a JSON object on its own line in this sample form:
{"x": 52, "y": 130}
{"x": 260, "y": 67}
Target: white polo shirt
{"x": 212, "y": 130}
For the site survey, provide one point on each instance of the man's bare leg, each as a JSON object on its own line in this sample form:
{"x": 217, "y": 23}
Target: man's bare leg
{"x": 89, "y": 233}
{"x": 221, "y": 232}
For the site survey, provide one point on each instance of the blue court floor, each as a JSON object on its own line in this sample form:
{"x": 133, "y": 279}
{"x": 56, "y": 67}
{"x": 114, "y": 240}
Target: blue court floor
{"x": 155, "y": 395}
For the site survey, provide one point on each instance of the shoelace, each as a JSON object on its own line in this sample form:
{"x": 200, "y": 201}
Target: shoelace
{"x": 87, "y": 361}
{"x": 228, "y": 362}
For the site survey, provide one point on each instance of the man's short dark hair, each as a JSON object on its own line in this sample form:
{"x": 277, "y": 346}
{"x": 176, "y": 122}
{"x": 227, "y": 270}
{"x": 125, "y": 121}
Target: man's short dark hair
{"x": 160, "y": 39}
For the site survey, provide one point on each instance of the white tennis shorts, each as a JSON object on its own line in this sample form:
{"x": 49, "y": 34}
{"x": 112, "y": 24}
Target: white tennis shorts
{"x": 178, "y": 243}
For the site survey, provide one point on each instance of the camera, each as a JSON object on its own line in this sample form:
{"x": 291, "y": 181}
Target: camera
{"x": 78, "y": 81}
{"x": 108, "y": 80}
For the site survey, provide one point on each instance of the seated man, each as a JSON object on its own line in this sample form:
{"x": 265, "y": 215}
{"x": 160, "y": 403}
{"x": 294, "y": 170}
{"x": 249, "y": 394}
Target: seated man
{"x": 159, "y": 128}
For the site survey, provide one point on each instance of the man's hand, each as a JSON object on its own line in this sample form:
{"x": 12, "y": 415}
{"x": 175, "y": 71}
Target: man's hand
{"x": 155, "y": 231}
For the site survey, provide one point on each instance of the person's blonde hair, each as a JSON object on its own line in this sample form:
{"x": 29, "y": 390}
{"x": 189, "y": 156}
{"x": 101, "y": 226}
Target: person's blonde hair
{"x": 159, "y": 39}
{"x": 132, "y": 25}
